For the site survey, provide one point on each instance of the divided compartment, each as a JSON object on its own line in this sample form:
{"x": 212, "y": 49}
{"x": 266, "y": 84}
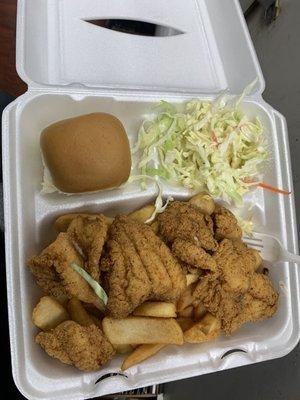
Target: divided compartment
{"x": 37, "y": 212}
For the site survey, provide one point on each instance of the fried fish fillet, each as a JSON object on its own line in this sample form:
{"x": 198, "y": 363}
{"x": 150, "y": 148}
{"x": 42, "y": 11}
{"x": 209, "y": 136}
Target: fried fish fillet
{"x": 185, "y": 221}
{"x": 88, "y": 233}
{"x": 55, "y": 275}
{"x": 235, "y": 293}
{"x": 85, "y": 347}
{"x": 226, "y": 224}
{"x": 140, "y": 267}
{"x": 193, "y": 255}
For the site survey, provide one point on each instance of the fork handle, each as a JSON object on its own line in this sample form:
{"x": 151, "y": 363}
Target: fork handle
{"x": 287, "y": 256}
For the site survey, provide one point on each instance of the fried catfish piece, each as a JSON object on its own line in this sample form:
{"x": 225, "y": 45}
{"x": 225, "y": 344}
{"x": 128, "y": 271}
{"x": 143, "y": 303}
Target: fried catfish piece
{"x": 193, "y": 255}
{"x": 252, "y": 257}
{"x": 85, "y": 347}
{"x": 185, "y": 221}
{"x": 88, "y": 233}
{"x": 260, "y": 302}
{"x": 139, "y": 267}
{"x": 55, "y": 275}
{"x": 236, "y": 293}
{"x": 226, "y": 224}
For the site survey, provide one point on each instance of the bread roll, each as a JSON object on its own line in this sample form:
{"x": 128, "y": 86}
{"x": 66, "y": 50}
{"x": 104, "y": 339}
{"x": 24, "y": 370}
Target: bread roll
{"x": 86, "y": 153}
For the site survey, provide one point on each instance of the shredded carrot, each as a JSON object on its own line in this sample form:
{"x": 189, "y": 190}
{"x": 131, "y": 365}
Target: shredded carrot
{"x": 264, "y": 185}
{"x": 250, "y": 181}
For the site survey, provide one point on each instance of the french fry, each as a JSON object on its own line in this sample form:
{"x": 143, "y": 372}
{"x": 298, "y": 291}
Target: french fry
{"x": 185, "y": 323}
{"x": 204, "y": 202}
{"x": 208, "y": 328}
{"x": 143, "y": 214}
{"x": 123, "y": 348}
{"x": 186, "y": 312}
{"x": 142, "y": 330}
{"x": 62, "y": 223}
{"x": 199, "y": 312}
{"x": 140, "y": 354}
{"x": 78, "y": 313}
{"x": 48, "y": 313}
{"x": 191, "y": 278}
{"x": 156, "y": 309}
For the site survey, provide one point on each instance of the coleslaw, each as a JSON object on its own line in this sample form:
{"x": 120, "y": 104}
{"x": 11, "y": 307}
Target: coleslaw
{"x": 211, "y": 145}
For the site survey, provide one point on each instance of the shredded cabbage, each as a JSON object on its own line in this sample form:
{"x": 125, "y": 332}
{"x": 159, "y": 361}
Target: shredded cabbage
{"x": 159, "y": 206}
{"x": 100, "y": 292}
{"x": 210, "y": 146}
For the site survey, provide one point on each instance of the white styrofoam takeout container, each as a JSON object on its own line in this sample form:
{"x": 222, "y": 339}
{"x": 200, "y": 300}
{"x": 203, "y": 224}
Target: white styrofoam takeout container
{"x": 72, "y": 68}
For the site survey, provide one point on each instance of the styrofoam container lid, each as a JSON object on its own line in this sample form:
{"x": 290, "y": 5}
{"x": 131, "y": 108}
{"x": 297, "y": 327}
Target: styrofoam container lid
{"x": 58, "y": 46}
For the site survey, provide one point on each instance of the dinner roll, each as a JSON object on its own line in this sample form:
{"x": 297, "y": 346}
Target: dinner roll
{"x": 86, "y": 153}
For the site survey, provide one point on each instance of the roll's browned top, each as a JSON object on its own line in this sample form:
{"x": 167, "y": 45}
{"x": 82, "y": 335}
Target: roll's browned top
{"x": 87, "y": 153}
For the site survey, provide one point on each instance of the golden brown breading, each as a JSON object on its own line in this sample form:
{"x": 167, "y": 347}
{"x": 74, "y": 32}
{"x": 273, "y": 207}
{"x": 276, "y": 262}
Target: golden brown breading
{"x": 190, "y": 269}
{"x": 140, "y": 267}
{"x": 226, "y": 225}
{"x": 235, "y": 266}
{"x": 54, "y": 274}
{"x": 193, "y": 255}
{"x": 236, "y": 293}
{"x": 89, "y": 233}
{"x": 252, "y": 257}
{"x": 260, "y": 302}
{"x": 85, "y": 347}
{"x": 185, "y": 221}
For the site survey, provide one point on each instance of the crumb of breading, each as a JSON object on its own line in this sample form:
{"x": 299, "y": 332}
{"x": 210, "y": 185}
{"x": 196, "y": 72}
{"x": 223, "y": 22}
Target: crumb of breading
{"x": 85, "y": 347}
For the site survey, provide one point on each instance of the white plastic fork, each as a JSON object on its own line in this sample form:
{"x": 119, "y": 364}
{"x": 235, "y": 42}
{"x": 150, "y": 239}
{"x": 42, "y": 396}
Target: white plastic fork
{"x": 270, "y": 248}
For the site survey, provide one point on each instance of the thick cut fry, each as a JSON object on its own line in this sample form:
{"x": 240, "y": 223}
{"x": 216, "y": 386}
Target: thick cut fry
{"x": 62, "y": 223}
{"x": 208, "y": 328}
{"x": 123, "y": 348}
{"x": 186, "y": 312}
{"x": 204, "y": 202}
{"x": 199, "y": 311}
{"x": 185, "y": 323}
{"x": 140, "y": 354}
{"x": 142, "y": 330}
{"x": 186, "y": 298}
{"x": 143, "y": 214}
{"x": 191, "y": 278}
{"x": 156, "y": 309}
{"x": 78, "y": 313}
{"x": 48, "y": 313}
